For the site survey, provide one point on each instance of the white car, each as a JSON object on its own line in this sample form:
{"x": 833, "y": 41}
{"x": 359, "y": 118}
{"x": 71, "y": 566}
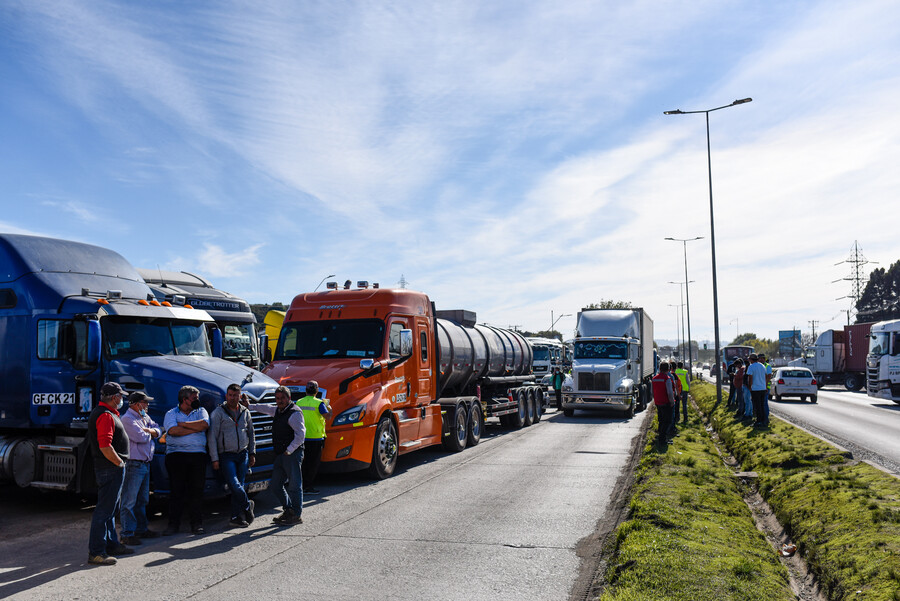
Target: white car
{"x": 795, "y": 382}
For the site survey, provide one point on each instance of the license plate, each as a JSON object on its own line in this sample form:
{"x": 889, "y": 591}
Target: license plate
{"x": 257, "y": 486}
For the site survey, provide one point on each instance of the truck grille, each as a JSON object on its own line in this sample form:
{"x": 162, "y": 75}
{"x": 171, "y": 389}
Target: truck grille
{"x": 262, "y": 423}
{"x": 596, "y": 382}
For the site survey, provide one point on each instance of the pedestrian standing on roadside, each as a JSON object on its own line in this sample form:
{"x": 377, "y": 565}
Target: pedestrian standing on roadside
{"x": 762, "y": 359}
{"x": 315, "y": 410}
{"x": 109, "y": 450}
{"x": 756, "y": 376}
{"x": 185, "y": 426}
{"x": 732, "y": 392}
{"x": 685, "y": 380}
{"x": 232, "y": 451}
{"x": 676, "y": 385}
{"x": 557, "y": 382}
{"x": 288, "y": 433}
{"x": 142, "y": 431}
{"x": 664, "y": 399}
{"x": 737, "y": 384}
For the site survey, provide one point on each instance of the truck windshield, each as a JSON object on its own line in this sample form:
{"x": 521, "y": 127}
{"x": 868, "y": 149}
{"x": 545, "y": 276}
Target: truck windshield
{"x": 601, "y": 350}
{"x": 880, "y": 343}
{"x": 541, "y": 353}
{"x": 135, "y": 337}
{"x": 347, "y": 338}
{"x": 238, "y": 341}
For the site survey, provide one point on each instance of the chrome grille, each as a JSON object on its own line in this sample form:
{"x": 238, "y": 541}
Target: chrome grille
{"x": 262, "y": 423}
{"x": 594, "y": 382}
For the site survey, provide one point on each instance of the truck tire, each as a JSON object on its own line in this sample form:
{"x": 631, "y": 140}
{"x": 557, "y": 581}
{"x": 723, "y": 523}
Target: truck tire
{"x": 535, "y": 394}
{"x": 529, "y": 406}
{"x": 853, "y": 382}
{"x": 569, "y": 412}
{"x": 541, "y": 400}
{"x": 517, "y": 420}
{"x": 456, "y": 434}
{"x": 629, "y": 412}
{"x": 385, "y": 450}
{"x": 476, "y": 424}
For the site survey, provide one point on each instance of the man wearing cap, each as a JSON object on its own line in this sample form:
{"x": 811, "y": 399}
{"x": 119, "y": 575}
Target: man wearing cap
{"x": 142, "y": 431}
{"x": 232, "y": 449}
{"x": 756, "y": 374}
{"x": 109, "y": 450}
{"x": 185, "y": 427}
{"x": 315, "y": 410}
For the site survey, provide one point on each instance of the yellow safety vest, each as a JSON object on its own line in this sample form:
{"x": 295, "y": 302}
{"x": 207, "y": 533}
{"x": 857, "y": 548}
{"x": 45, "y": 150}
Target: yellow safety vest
{"x": 682, "y": 375}
{"x": 314, "y": 420}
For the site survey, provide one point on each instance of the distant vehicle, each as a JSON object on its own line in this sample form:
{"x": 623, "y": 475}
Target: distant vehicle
{"x": 883, "y": 361}
{"x": 549, "y": 354}
{"x": 839, "y": 356}
{"x": 613, "y": 364}
{"x": 732, "y": 352}
{"x": 794, "y": 382}
{"x": 706, "y": 366}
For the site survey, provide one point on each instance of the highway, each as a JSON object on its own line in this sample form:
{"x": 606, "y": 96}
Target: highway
{"x": 514, "y": 518}
{"x": 865, "y": 426}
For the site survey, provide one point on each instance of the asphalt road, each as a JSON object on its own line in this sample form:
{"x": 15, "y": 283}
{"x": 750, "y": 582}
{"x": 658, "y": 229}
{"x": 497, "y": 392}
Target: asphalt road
{"x": 508, "y": 519}
{"x": 865, "y": 426}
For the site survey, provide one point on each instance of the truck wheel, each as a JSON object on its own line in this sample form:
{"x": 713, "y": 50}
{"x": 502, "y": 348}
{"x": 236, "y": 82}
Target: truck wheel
{"x": 541, "y": 400}
{"x": 568, "y": 412}
{"x": 517, "y": 420}
{"x": 476, "y": 424}
{"x": 853, "y": 382}
{"x": 535, "y": 394}
{"x": 529, "y": 406}
{"x": 629, "y": 413}
{"x": 454, "y": 439}
{"x": 384, "y": 453}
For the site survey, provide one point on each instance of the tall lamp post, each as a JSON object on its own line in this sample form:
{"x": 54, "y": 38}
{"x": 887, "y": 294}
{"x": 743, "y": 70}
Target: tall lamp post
{"x": 553, "y": 321}
{"x": 712, "y": 233}
{"x": 687, "y": 291}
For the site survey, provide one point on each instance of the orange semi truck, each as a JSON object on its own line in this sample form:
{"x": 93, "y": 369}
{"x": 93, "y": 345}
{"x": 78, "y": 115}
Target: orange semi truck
{"x": 401, "y": 376}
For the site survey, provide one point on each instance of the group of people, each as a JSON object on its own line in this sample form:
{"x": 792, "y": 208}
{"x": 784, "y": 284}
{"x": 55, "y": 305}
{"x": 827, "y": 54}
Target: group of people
{"x": 749, "y": 393}
{"x": 122, "y": 448}
{"x": 671, "y": 385}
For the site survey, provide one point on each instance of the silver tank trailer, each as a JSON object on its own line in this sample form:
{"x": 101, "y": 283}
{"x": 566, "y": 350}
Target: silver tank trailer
{"x": 468, "y": 354}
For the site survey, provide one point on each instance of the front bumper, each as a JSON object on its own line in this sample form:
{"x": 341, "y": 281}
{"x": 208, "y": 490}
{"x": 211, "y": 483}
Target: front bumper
{"x": 594, "y": 400}
{"x": 348, "y": 449}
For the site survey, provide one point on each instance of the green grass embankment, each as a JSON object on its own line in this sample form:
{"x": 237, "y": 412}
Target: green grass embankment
{"x": 843, "y": 515}
{"x": 689, "y": 535}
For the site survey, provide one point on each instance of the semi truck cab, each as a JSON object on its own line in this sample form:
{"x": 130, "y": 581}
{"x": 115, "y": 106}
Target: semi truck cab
{"x": 883, "y": 361}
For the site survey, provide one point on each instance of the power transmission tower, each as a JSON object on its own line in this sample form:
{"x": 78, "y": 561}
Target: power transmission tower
{"x": 812, "y": 325}
{"x": 403, "y": 283}
{"x": 857, "y": 277}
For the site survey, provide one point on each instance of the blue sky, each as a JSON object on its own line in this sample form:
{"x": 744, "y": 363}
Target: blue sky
{"x": 510, "y": 158}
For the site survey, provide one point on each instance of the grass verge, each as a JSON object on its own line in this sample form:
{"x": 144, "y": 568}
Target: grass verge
{"x": 844, "y": 515}
{"x": 689, "y": 535}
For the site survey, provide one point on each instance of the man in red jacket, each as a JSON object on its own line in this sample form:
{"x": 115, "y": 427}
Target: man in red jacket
{"x": 664, "y": 399}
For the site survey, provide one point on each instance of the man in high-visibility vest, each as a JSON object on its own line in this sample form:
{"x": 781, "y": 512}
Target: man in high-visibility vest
{"x": 685, "y": 380}
{"x": 557, "y": 382}
{"x": 315, "y": 410}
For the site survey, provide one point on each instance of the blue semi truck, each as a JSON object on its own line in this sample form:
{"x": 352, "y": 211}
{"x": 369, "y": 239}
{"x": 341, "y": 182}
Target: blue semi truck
{"x": 73, "y": 316}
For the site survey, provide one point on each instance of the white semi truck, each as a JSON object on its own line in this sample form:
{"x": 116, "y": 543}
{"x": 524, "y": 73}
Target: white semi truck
{"x": 883, "y": 361}
{"x": 613, "y": 362}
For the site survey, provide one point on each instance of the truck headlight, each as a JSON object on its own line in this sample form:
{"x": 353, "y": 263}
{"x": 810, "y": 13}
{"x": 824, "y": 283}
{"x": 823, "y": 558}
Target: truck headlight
{"x": 350, "y": 416}
{"x": 623, "y": 389}
{"x": 566, "y": 388}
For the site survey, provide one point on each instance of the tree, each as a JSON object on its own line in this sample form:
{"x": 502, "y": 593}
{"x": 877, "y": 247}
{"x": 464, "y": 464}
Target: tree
{"x": 743, "y": 340}
{"x": 880, "y": 300}
{"x": 544, "y": 334}
{"x": 609, "y": 304}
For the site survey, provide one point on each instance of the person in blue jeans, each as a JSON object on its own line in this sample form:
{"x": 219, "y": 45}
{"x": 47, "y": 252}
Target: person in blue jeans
{"x": 288, "y": 435}
{"x": 232, "y": 450}
{"x": 109, "y": 451}
{"x": 142, "y": 432}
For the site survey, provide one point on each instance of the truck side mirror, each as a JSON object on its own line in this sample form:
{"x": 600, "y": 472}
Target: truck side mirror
{"x": 366, "y": 363}
{"x": 93, "y": 341}
{"x": 217, "y": 343}
{"x": 406, "y": 343}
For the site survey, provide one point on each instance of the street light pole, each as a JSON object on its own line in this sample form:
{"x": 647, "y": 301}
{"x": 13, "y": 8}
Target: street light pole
{"x": 712, "y": 234}
{"x": 687, "y": 293}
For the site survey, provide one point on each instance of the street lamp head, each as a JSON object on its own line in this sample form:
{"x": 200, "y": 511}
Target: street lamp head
{"x": 742, "y": 101}
{"x": 675, "y": 112}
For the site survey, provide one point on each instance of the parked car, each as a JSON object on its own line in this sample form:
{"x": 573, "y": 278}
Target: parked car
{"x": 706, "y": 367}
{"x": 794, "y": 382}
